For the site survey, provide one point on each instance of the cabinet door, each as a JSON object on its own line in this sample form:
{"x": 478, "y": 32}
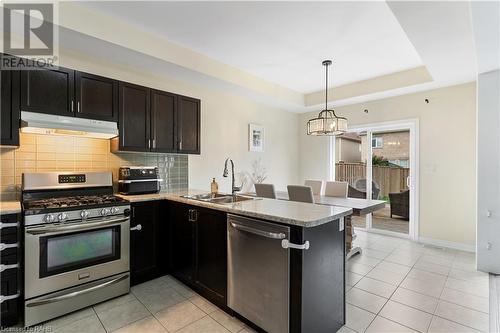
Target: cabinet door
{"x": 9, "y": 108}
{"x": 182, "y": 243}
{"x": 134, "y": 117}
{"x": 163, "y": 105}
{"x": 144, "y": 241}
{"x": 48, "y": 91}
{"x": 188, "y": 125}
{"x": 211, "y": 268}
{"x": 96, "y": 97}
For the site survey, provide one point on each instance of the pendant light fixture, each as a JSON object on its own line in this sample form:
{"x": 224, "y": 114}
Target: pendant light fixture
{"x": 327, "y": 122}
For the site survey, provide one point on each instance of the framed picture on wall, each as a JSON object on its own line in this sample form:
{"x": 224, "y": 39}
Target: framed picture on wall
{"x": 256, "y": 137}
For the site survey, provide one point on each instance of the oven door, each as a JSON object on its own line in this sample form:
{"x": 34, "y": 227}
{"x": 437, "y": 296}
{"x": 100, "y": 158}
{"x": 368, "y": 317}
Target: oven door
{"x": 64, "y": 255}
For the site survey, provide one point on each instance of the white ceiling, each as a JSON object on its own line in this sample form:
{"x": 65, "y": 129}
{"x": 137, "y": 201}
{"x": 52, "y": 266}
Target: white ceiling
{"x": 281, "y": 42}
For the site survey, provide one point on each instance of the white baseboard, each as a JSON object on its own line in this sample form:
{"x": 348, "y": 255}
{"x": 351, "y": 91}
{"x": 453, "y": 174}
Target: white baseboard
{"x": 448, "y": 244}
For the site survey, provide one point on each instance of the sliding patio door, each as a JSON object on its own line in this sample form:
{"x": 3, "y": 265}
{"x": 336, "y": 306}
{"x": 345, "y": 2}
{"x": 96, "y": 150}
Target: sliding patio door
{"x": 379, "y": 162}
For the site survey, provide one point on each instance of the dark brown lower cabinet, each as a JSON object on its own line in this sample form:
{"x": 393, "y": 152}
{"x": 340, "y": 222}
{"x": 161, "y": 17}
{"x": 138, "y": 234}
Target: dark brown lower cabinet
{"x": 148, "y": 237}
{"x": 9, "y": 108}
{"x": 199, "y": 250}
{"x": 11, "y": 278}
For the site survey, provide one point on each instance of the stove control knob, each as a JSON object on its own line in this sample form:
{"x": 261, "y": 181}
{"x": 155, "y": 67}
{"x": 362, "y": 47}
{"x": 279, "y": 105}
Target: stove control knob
{"x": 104, "y": 211}
{"x": 49, "y": 218}
{"x": 114, "y": 210}
{"x": 84, "y": 214}
{"x": 62, "y": 216}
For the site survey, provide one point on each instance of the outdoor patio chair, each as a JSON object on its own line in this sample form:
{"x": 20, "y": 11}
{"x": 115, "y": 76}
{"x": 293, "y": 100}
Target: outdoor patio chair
{"x": 400, "y": 204}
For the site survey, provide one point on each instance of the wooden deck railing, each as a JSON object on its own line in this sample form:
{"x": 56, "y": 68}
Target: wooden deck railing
{"x": 390, "y": 179}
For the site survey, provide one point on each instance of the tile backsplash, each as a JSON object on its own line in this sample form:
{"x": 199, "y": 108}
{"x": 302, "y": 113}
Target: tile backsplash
{"x": 39, "y": 153}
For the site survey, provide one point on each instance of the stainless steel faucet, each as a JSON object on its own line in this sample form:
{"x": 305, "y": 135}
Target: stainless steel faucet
{"x": 225, "y": 174}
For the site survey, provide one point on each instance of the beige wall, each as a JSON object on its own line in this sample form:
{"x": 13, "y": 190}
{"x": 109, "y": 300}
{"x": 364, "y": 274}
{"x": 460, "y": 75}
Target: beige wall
{"x": 447, "y": 154}
{"x": 225, "y": 119}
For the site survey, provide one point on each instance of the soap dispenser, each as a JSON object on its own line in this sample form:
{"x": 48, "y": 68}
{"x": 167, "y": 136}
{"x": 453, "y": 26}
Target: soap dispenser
{"x": 214, "y": 187}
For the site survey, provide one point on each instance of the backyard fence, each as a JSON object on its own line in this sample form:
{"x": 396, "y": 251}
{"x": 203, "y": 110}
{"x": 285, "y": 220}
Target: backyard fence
{"x": 389, "y": 179}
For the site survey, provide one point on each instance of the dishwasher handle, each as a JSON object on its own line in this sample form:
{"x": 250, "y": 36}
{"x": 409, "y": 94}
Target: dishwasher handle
{"x": 258, "y": 232}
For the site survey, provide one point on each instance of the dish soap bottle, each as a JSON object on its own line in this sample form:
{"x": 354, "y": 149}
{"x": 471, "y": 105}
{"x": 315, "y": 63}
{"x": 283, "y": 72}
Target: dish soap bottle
{"x": 214, "y": 187}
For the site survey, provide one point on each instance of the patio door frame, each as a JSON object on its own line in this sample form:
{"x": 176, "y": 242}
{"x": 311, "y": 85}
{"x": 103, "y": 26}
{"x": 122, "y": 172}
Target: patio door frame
{"x": 411, "y": 125}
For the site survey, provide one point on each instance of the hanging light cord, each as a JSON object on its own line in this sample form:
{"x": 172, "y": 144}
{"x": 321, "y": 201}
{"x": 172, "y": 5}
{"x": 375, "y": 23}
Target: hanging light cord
{"x": 326, "y": 89}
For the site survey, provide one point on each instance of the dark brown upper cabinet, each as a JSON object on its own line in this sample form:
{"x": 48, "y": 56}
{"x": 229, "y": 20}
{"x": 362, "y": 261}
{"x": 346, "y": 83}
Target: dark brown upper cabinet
{"x": 188, "y": 125}
{"x": 96, "y": 97}
{"x": 9, "y": 108}
{"x": 66, "y": 92}
{"x": 134, "y": 118}
{"x": 48, "y": 91}
{"x": 156, "y": 121}
{"x": 163, "y": 120}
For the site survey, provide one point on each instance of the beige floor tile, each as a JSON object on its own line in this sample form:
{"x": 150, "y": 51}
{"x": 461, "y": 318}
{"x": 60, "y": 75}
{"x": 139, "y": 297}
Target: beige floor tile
{"x": 459, "y": 314}
{"x": 365, "y": 260}
{"x": 407, "y": 260}
{"x": 357, "y": 318}
{"x": 358, "y": 268}
{"x": 406, "y": 316}
{"x": 433, "y": 268}
{"x": 443, "y": 261}
{"x": 179, "y": 315}
{"x": 472, "y": 276}
{"x": 365, "y": 300}
{"x": 441, "y": 325}
{"x": 69, "y": 318}
{"x": 374, "y": 253}
{"x": 114, "y": 302}
{"x": 468, "y": 300}
{"x": 89, "y": 324}
{"x": 422, "y": 287}
{"x": 376, "y": 287}
{"x": 203, "y": 304}
{"x": 429, "y": 277}
{"x": 232, "y": 324}
{"x": 146, "y": 325}
{"x": 478, "y": 289}
{"x": 205, "y": 325}
{"x": 352, "y": 278}
{"x": 382, "y": 325}
{"x": 183, "y": 290}
{"x": 393, "y": 267}
{"x": 415, "y": 300}
{"x": 159, "y": 298}
{"x": 122, "y": 315}
{"x": 345, "y": 329}
{"x": 386, "y": 276}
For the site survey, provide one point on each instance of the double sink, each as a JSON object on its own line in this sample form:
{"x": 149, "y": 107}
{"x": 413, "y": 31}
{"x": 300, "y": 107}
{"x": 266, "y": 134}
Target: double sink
{"x": 219, "y": 198}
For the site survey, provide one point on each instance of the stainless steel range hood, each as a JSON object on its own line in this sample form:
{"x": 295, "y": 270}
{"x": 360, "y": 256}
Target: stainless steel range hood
{"x": 41, "y": 123}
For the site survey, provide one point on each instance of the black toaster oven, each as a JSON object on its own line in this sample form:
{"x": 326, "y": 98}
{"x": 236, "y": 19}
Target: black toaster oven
{"x": 138, "y": 180}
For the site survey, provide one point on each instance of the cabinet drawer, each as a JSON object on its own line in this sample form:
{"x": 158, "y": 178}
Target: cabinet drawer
{"x": 10, "y": 307}
{"x": 10, "y": 225}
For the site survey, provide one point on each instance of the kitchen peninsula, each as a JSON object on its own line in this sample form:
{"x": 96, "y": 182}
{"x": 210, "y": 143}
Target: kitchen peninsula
{"x": 299, "y": 270}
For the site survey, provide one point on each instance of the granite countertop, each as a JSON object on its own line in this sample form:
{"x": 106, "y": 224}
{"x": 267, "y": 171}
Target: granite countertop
{"x": 10, "y": 207}
{"x": 281, "y": 211}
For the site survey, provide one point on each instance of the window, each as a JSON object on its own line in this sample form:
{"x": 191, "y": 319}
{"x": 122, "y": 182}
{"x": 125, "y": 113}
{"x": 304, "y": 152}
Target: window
{"x": 377, "y": 142}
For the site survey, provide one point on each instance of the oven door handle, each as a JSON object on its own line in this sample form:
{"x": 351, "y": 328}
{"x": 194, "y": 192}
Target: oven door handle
{"x": 44, "y": 230}
{"x": 77, "y": 293}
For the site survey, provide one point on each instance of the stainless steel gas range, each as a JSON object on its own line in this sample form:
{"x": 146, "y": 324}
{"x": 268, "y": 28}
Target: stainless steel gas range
{"x": 76, "y": 242}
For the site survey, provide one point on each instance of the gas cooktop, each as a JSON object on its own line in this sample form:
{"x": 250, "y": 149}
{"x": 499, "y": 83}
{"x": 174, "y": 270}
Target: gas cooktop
{"x": 68, "y": 203}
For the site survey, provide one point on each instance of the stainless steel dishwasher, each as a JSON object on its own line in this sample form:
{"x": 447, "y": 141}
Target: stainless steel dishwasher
{"x": 258, "y": 272}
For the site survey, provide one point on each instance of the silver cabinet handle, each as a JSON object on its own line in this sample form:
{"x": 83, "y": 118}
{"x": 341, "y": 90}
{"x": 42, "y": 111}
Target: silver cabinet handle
{"x": 193, "y": 215}
{"x": 77, "y": 293}
{"x": 180, "y": 145}
{"x": 43, "y": 230}
{"x": 154, "y": 143}
{"x": 5, "y": 267}
{"x": 9, "y": 225}
{"x": 137, "y": 227}
{"x": 263, "y": 233}
{"x": 4, "y": 246}
{"x": 78, "y": 107}
{"x": 72, "y": 107}
{"x": 8, "y": 297}
{"x": 149, "y": 143}
{"x": 285, "y": 243}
